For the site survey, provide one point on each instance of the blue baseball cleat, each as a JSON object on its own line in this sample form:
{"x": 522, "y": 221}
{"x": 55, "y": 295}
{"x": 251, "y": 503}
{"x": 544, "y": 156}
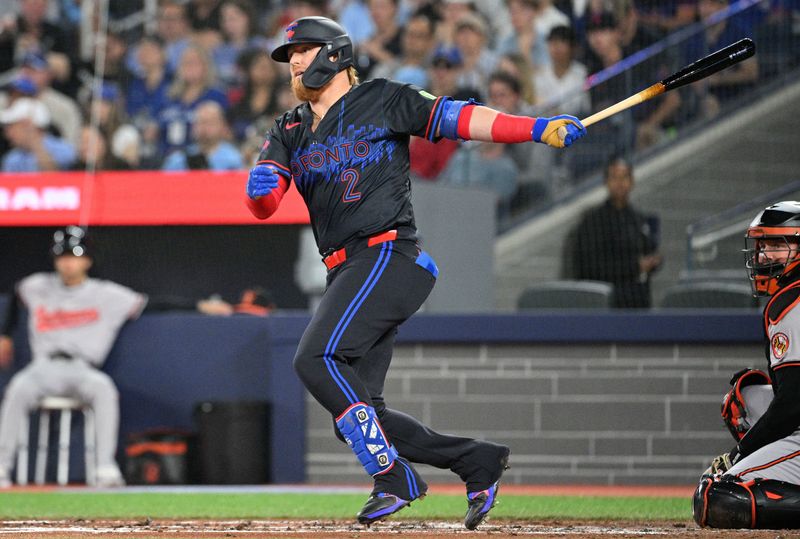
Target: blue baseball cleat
{"x": 380, "y": 506}
{"x": 401, "y": 478}
{"x": 479, "y": 504}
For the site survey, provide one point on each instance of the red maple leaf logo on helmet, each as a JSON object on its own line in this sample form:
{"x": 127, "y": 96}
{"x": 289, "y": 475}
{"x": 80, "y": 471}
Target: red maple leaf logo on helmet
{"x": 290, "y": 30}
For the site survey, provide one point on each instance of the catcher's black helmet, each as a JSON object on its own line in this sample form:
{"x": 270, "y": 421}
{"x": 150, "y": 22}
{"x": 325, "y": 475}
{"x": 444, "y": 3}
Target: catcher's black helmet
{"x": 70, "y": 241}
{"x": 334, "y": 41}
{"x": 781, "y": 224}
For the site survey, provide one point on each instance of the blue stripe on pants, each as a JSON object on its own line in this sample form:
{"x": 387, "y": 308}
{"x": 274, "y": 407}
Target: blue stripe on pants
{"x": 347, "y": 317}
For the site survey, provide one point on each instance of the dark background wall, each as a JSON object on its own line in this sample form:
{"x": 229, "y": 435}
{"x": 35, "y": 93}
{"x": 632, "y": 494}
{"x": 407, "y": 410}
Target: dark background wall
{"x": 617, "y": 398}
{"x": 166, "y": 364}
{"x": 185, "y": 261}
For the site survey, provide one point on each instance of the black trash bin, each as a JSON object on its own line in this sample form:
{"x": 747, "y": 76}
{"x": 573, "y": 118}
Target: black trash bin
{"x": 233, "y": 442}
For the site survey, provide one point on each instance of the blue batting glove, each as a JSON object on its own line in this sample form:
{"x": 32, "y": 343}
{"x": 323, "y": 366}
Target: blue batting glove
{"x": 550, "y": 132}
{"x": 261, "y": 181}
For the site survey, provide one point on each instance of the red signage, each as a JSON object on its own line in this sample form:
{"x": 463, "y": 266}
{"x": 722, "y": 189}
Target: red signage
{"x": 135, "y": 198}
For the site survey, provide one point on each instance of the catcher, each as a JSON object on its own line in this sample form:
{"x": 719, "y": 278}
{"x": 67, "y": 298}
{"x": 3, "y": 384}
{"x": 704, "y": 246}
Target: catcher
{"x": 757, "y": 483}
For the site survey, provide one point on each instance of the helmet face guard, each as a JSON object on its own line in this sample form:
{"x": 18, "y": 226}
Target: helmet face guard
{"x": 767, "y": 261}
{"x": 322, "y": 69}
{"x": 334, "y": 42}
{"x": 772, "y": 247}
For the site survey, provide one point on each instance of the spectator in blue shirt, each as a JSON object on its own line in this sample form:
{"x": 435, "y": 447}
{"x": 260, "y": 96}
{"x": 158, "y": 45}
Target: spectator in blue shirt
{"x": 211, "y": 148}
{"x": 239, "y": 34}
{"x": 32, "y": 148}
{"x": 146, "y": 94}
{"x": 194, "y": 83}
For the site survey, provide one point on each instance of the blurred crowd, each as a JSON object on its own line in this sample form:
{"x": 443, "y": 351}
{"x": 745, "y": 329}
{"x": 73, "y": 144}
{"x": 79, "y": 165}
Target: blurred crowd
{"x": 198, "y": 90}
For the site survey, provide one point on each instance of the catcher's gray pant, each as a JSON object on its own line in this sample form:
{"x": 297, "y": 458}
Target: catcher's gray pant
{"x": 779, "y": 460}
{"x": 60, "y": 378}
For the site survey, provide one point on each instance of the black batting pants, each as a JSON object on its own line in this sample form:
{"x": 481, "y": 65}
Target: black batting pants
{"x": 346, "y": 350}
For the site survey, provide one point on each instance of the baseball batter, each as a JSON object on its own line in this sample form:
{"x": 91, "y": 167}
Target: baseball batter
{"x": 72, "y": 324}
{"x": 346, "y": 149}
{"x": 757, "y": 483}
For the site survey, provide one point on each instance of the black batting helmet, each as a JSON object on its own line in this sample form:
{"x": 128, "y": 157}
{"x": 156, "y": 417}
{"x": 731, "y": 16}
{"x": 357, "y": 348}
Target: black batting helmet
{"x": 70, "y": 241}
{"x": 334, "y": 41}
{"x": 779, "y": 222}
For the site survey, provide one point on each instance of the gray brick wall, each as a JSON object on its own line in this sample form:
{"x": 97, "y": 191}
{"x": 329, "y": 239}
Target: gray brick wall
{"x": 572, "y": 414}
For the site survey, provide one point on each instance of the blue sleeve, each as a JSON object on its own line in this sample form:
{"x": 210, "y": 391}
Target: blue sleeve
{"x": 227, "y": 157}
{"x": 11, "y": 162}
{"x": 62, "y": 152}
{"x": 235, "y": 161}
{"x": 175, "y": 161}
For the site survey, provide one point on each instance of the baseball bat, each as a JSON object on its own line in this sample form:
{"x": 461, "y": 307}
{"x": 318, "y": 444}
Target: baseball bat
{"x": 702, "y": 68}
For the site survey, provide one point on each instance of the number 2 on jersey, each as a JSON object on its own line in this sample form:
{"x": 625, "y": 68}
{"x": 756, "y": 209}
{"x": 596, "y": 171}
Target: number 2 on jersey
{"x": 350, "y": 177}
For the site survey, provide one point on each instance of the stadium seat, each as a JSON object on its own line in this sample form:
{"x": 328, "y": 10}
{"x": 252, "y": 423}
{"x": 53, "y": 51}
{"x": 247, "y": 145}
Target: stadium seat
{"x": 735, "y": 276}
{"x": 709, "y": 295}
{"x": 566, "y": 294}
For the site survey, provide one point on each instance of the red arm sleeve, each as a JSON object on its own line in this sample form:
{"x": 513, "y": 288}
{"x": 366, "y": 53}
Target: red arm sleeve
{"x": 266, "y": 205}
{"x": 489, "y": 125}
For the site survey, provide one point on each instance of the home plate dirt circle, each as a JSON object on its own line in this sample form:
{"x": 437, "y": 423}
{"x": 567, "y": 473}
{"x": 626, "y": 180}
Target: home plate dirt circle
{"x": 54, "y": 529}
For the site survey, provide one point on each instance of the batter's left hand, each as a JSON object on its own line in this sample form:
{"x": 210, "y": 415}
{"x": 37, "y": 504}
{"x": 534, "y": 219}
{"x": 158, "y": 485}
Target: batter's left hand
{"x": 261, "y": 182}
{"x": 559, "y": 131}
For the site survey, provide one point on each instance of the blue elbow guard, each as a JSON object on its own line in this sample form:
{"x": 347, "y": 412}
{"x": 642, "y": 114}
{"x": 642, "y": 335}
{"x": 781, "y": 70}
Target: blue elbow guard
{"x": 451, "y": 112}
{"x": 363, "y": 433}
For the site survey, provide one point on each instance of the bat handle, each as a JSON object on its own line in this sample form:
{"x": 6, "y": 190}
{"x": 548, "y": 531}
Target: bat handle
{"x": 589, "y": 120}
{"x": 648, "y": 93}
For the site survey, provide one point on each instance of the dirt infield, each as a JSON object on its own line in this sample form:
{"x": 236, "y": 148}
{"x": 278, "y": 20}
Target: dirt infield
{"x": 406, "y": 529}
{"x": 395, "y": 528}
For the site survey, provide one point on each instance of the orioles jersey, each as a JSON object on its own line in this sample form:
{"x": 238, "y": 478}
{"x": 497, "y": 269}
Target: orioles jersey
{"x": 352, "y": 171}
{"x": 782, "y": 329}
{"x": 82, "y": 320}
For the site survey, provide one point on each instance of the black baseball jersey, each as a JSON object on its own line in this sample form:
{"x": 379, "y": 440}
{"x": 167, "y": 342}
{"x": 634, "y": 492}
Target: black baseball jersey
{"x": 353, "y": 170}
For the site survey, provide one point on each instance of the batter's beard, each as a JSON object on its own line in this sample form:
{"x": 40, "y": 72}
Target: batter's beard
{"x": 303, "y": 92}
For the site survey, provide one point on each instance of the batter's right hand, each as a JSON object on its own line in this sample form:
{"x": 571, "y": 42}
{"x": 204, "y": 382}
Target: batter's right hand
{"x": 559, "y": 131}
{"x": 262, "y": 181}
{"x": 6, "y": 351}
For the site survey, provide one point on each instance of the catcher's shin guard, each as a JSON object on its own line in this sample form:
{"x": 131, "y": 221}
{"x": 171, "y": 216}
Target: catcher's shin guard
{"x": 761, "y": 503}
{"x": 363, "y": 433}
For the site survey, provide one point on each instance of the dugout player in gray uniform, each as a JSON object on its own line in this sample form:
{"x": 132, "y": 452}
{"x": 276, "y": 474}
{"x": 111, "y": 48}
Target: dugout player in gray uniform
{"x": 346, "y": 150}
{"x": 72, "y": 324}
{"x": 757, "y": 483}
